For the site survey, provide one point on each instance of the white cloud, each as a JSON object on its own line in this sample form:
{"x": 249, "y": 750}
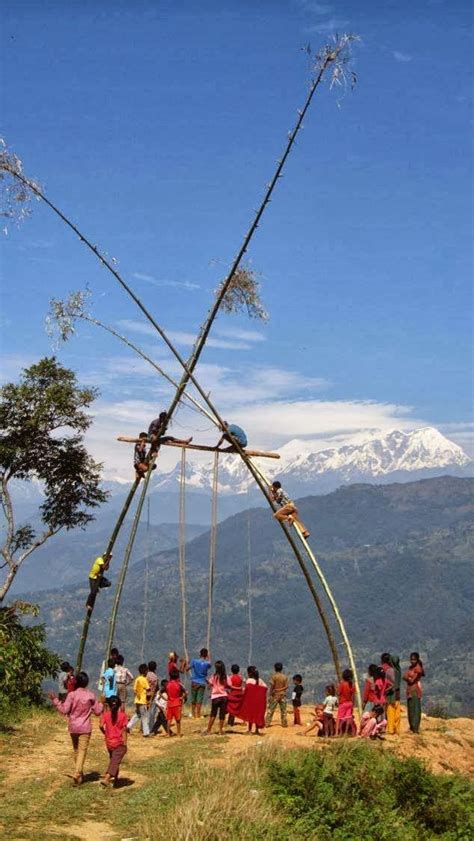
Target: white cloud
{"x": 268, "y": 424}
{"x": 328, "y": 26}
{"x": 182, "y": 337}
{"x": 401, "y": 57}
{"x": 159, "y": 282}
{"x": 236, "y": 333}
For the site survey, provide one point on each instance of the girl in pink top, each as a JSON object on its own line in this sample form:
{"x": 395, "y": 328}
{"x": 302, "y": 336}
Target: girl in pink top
{"x": 218, "y": 684}
{"x": 79, "y": 707}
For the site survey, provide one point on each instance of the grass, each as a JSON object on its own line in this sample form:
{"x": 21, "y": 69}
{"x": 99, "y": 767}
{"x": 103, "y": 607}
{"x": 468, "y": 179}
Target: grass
{"x": 194, "y": 789}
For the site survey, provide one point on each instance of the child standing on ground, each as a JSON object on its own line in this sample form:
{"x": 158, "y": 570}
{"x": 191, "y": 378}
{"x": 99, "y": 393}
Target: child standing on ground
{"x": 277, "y": 695}
{"x": 114, "y": 727}
{"x": 62, "y": 678}
{"x": 161, "y": 704}
{"x": 329, "y": 710}
{"x": 200, "y": 667}
{"x": 345, "y": 716}
{"x": 123, "y": 678}
{"x": 235, "y": 687}
{"x": 296, "y": 698}
{"x": 141, "y": 688}
{"x": 218, "y": 684}
{"x": 176, "y": 694}
{"x": 254, "y": 699}
{"x": 109, "y": 680}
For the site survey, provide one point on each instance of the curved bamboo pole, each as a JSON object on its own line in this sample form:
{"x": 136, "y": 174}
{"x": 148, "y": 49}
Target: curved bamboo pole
{"x": 188, "y": 368}
{"x": 332, "y": 602}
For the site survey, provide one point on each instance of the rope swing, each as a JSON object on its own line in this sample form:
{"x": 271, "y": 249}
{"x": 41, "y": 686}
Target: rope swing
{"x": 212, "y": 548}
{"x": 249, "y": 582}
{"x": 182, "y": 550}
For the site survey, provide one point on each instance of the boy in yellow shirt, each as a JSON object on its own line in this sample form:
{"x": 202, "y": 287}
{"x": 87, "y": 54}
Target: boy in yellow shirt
{"x": 141, "y": 688}
{"x": 97, "y": 579}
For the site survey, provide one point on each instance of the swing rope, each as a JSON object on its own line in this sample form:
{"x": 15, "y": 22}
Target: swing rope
{"x": 212, "y": 548}
{"x": 182, "y": 550}
{"x": 249, "y": 582}
{"x": 126, "y": 559}
{"x": 145, "y": 587}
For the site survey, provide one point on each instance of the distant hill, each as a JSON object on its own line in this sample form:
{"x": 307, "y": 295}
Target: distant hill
{"x": 398, "y": 557}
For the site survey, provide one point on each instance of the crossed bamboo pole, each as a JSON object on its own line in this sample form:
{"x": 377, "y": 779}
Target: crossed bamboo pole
{"x": 190, "y": 365}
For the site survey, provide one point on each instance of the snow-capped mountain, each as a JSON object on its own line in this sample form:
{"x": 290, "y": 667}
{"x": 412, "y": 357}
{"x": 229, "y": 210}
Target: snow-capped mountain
{"x": 393, "y": 454}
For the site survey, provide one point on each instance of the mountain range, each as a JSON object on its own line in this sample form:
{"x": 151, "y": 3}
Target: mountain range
{"x": 399, "y": 560}
{"x": 394, "y": 456}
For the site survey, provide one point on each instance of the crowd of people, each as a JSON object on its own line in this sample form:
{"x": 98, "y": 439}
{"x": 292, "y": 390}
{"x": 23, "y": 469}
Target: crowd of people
{"x": 159, "y": 703}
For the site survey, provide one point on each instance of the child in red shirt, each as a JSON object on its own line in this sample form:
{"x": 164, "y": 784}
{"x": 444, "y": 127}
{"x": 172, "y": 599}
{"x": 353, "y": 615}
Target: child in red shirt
{"x": 176, "y": 693}
{"x": 113, "y": 724}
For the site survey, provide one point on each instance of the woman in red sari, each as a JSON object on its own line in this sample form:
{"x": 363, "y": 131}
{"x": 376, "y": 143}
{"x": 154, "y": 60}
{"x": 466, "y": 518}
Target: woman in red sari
{"x": 254, "y": 701}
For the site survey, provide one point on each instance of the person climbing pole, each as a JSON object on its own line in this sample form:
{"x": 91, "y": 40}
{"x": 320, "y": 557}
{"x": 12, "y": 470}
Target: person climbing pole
{"x": 154, "y": 437}
{"x": 288, "y": 511}
{"x": 230, "y": 432}
{"x": 97, "y": 579}
{"x": 141, "y": 456}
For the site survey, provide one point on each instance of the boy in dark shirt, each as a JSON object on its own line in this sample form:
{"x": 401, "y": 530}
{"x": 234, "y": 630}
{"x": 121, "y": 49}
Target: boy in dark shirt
{"x": 296, "y": 698}
{"x": 156, "y": 440}
{"x": 141, "y": 458}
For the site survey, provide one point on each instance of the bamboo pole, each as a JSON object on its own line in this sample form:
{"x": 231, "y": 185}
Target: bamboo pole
{"x": 126, "y": 559}
{"x": 110, "y": 546}
{"x": 129, "y": 439}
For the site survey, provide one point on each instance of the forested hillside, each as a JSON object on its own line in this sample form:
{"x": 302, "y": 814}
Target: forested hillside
{"x": 398, "y": 557}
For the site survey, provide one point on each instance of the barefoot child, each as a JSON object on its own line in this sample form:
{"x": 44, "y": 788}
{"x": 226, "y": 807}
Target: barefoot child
{"x": 296, "y": 698}
{"x": 317, "y": 723}
{"x": 155, "y": 439}
{"x": 114, "y": 727}
{"x": 141, "y": 456}
{"x": 287, "y": 510}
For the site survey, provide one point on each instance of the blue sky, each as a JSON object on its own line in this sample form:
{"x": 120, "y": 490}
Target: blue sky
{"x": 156, "y": 125}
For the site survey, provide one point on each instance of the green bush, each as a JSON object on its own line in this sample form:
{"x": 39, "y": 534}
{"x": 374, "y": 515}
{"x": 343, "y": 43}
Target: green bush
{"x": 357, "y": 790}
{"x": 24, "y": 661}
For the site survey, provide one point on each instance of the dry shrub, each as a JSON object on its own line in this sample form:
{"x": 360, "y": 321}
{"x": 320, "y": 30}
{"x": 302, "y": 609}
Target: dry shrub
{"x": 222, "y": 799}
{"x": 243, "y": 293}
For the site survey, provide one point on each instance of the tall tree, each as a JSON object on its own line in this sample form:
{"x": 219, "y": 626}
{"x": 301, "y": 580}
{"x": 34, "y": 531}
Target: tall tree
{"x": 42, "y": 423}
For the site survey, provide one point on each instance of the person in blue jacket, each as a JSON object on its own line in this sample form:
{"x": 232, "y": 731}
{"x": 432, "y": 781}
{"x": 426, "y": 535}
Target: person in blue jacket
{"x": 231, "y": 432}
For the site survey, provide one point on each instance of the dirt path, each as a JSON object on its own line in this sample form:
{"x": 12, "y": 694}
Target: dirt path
{"x": 36, "y": 761}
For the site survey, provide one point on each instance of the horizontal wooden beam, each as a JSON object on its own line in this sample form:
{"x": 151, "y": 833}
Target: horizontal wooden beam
{"x": 253, "y": 453}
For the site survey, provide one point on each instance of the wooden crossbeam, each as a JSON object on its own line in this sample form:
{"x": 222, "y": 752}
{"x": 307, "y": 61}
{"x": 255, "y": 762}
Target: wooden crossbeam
{"x": 254, "y": 453}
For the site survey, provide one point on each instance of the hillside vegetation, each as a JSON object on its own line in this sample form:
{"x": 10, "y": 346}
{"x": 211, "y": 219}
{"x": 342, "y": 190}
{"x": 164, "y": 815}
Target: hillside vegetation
{"x": 398, "y": 557}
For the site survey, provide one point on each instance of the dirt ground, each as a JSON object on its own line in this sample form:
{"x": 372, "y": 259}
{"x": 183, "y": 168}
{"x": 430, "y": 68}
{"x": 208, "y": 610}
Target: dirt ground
{"x": 40, "y": 754}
